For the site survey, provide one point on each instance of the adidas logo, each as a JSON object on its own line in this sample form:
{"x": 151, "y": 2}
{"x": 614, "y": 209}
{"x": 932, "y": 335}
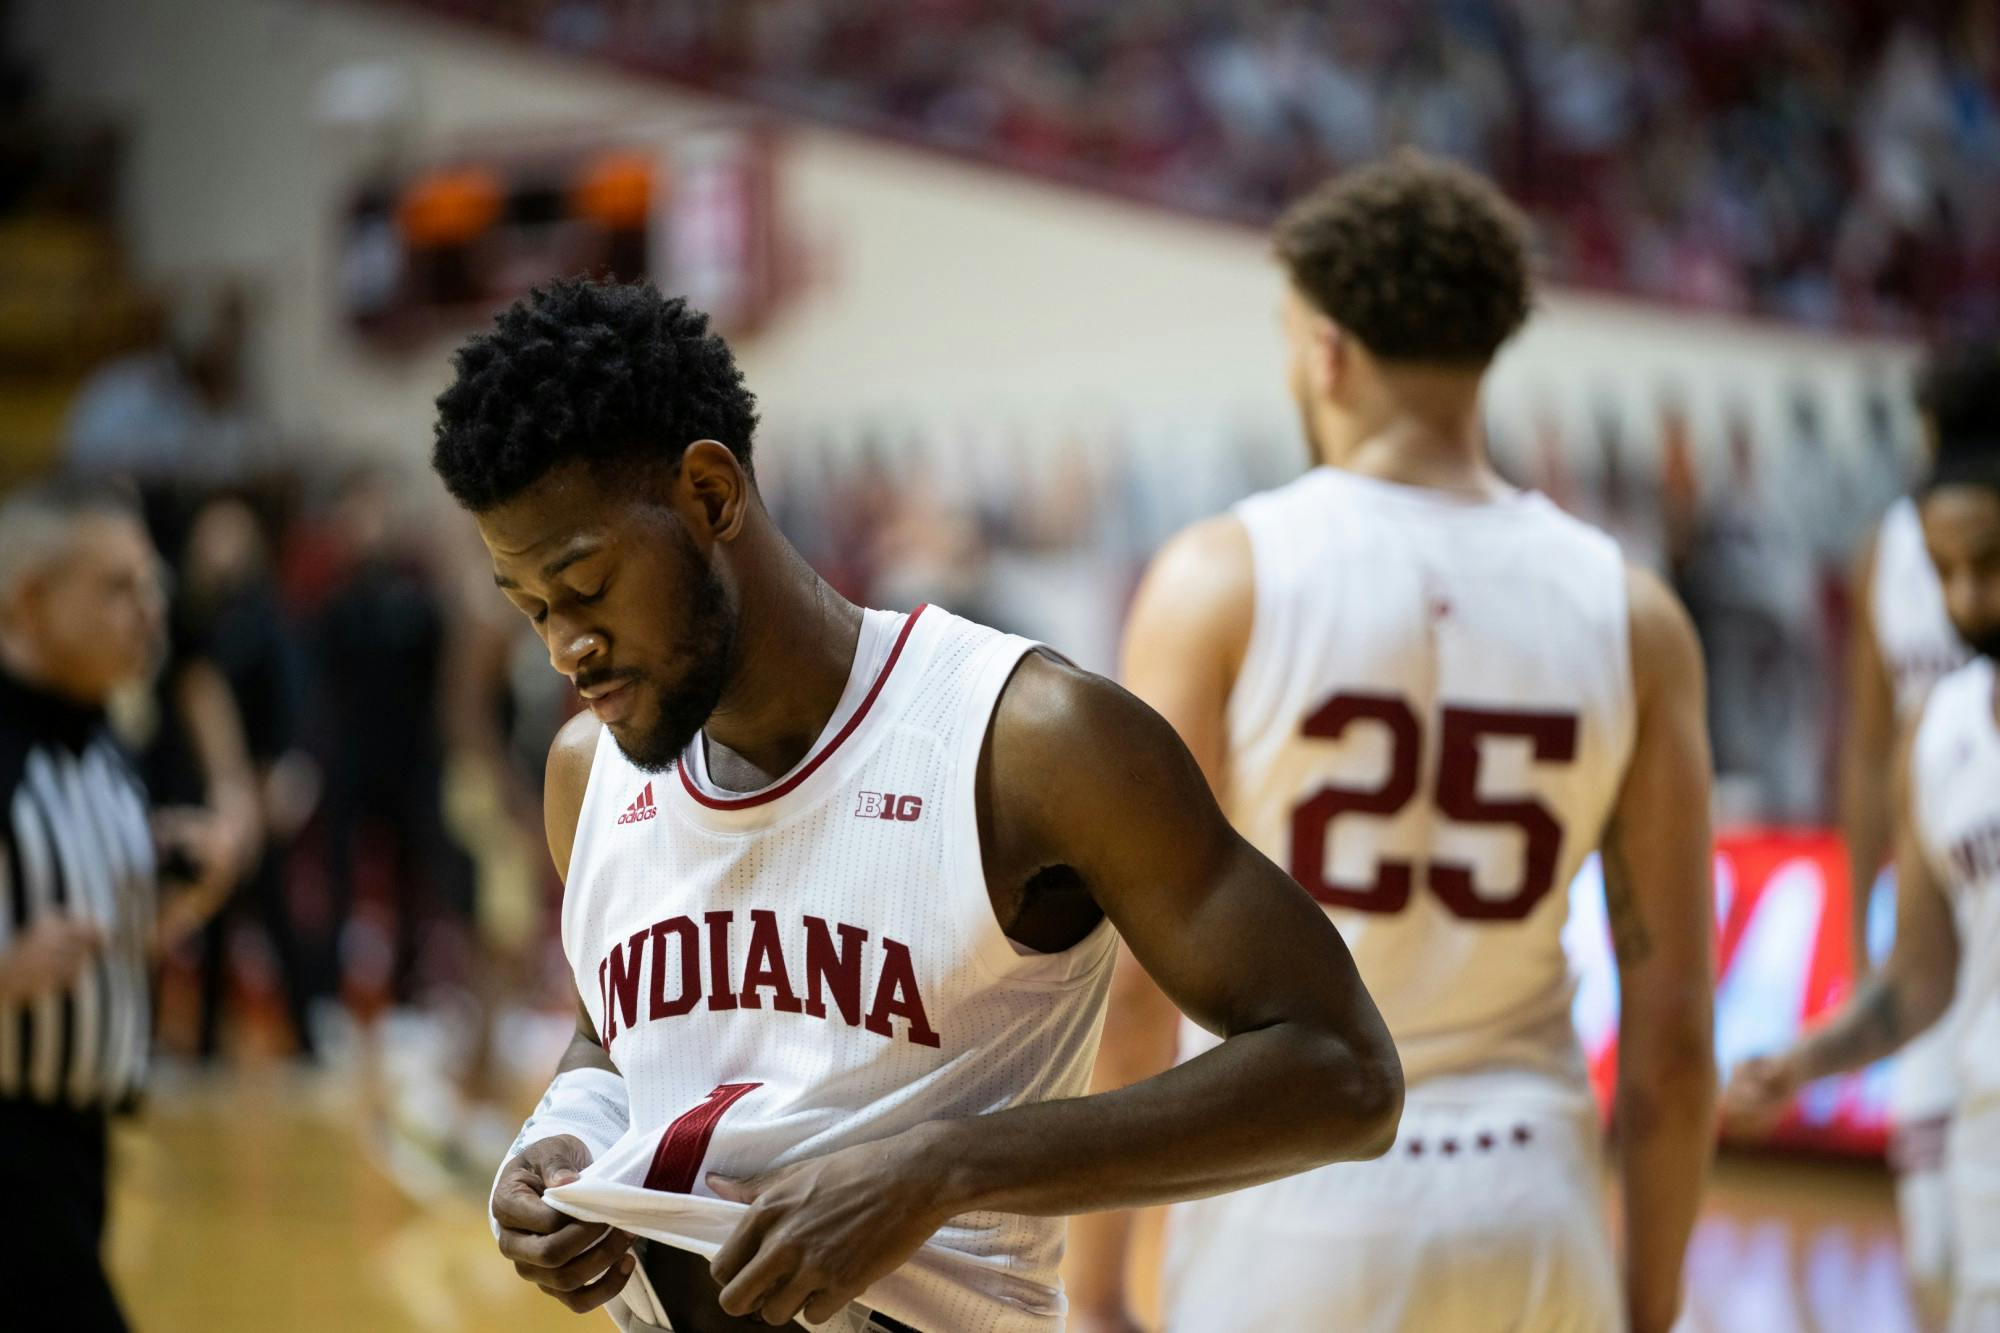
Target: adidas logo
{"x": 641, "y": 809}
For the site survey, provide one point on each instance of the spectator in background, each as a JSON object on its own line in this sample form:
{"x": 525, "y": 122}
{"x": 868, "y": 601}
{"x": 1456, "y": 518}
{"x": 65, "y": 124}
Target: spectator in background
{"x": 1728, "y": 154}
{"x": 174, "y": 413}
{"x": 81, "y": 611}
{"x": 381, "y": 647}
{"x": 229, "y": 615}
{"x": 1751, "y": 585}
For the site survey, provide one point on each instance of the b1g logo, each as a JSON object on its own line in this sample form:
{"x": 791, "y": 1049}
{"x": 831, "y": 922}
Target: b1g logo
{"x": 888, "y": 805}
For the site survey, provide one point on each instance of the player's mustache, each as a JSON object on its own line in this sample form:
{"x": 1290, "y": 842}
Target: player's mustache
{"x": 590, "y": 680}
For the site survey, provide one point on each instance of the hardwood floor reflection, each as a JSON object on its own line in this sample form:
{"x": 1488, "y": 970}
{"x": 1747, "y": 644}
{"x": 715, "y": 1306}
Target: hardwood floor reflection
{"x": 258, "y": 1199}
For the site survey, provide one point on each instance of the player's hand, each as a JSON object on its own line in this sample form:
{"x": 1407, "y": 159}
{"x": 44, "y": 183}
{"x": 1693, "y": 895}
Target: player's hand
{"x": 48, "y": 956}
{"x": 581, "y": 1264}
{"x": 819, "y": 1232}
{"x": 1758, "y": 1092}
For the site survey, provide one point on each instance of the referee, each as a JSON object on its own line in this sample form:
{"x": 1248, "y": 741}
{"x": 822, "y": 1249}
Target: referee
{"x": 81, "y": 612}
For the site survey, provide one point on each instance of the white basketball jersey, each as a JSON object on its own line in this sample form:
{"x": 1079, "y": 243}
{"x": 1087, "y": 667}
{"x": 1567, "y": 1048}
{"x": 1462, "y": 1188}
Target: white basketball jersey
{"x": 1955, "y": 800}
{"x": 1906, "y": 607}
{"x": 1429, "y": 729}
{"x": 1918, "y": 646}
{"x": 784, "y": 973}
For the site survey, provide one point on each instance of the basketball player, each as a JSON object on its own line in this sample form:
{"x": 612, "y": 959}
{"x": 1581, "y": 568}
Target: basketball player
{"x": 1947, "y": 867}
{"x": 1431, "y": 696}
{"x": 842, "y": 890}
{"x": 1901, "y": 643}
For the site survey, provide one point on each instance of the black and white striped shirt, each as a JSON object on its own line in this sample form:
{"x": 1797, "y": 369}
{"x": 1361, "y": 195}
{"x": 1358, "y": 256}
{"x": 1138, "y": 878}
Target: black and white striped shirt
{"x": 76, "y": 839}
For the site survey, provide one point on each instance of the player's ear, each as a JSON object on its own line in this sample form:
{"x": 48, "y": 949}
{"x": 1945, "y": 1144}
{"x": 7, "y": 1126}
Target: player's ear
{"x": 712, "y": 490}
{"x": 1332, "y": 359}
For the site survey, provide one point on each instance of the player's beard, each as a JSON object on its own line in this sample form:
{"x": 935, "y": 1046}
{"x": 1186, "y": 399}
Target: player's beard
{"x": 681, "y": 710}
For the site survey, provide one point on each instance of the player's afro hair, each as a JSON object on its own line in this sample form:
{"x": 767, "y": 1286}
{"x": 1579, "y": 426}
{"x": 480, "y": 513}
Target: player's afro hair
{"x": 1960, "y": 393}
{"x": 1960, "y": 396}
{"x": 611, "y": 373}
{"x": 1420, "y": 260}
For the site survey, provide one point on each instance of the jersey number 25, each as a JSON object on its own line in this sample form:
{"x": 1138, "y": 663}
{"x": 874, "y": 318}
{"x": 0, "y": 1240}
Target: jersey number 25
{"x": 1552, "y": 740}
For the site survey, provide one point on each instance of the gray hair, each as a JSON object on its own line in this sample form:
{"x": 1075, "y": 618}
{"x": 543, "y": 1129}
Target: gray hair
{"x": 38, "y": 522}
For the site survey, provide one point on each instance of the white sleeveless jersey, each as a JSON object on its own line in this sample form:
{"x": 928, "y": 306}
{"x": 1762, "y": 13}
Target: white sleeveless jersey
{"x": 785, "y": 973}
{"x": 1955, "y": 802}
{"x": 1429, "y": 730}
{"x": 1906, "y": 610}
{"x": 1918, "y": 646}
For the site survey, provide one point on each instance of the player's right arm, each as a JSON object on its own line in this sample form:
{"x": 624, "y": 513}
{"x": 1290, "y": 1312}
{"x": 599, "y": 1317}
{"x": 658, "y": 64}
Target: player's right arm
{"x": 1906, "y": 995}
{"x": 1868, "y": 752}
{"x": 581, "y": 1264}
{"x": 1657, "y": 893}
{"x": 1184, "y": 643}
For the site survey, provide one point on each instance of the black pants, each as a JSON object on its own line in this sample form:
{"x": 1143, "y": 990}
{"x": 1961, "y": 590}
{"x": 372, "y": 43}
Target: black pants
{"x": 53, "y": 1159}
{"x": 433, "y": 877}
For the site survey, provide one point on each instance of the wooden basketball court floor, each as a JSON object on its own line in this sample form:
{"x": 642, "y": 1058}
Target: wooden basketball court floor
{"x": 256, "y": 1200}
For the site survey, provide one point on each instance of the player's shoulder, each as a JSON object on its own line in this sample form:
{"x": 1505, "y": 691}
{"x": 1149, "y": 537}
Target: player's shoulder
{"x": 1664, "y": 644}
{"x": 1198, "y": 600}
{"x": 1055, "y": 720}
{"x": 1211, "y": 557}
{"x": 1203, "y": 579}
{"x": 1960, "y": 696}
{"x": 565, "y": 779}
{"x": 1883, "y": 532}
{"x": 573, "y": 750}
{"x": 1535, "y": 511}
{"x": 1051, "y": 702}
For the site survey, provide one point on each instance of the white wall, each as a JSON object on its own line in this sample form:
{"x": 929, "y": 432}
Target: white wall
{"x": 946, "y": 292}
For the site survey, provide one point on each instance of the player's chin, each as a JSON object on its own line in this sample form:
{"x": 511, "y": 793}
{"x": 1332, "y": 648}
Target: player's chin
{"x": 647, "y": 740}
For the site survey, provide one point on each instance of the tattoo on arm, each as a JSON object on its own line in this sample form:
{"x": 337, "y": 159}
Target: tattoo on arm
{"x": 1871, "y": 1028}
{"x": 1629, "y": 935}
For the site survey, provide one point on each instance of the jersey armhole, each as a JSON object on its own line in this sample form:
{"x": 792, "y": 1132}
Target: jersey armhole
{"x": 965, "y": 861}
{"x": 1934, "y": 714}
{"x": 1258, "y": 686}
{"x": 583, "y": 842}
{"x": 1628, "y": 738}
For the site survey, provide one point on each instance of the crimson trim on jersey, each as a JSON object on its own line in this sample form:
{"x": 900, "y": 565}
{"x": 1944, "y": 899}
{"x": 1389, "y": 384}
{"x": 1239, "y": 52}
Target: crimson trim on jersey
{"x": 811, "y": 765}
{"x": 677, "y": 1160}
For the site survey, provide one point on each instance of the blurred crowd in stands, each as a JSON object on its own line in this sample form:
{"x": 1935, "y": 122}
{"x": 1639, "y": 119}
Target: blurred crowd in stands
{"x": 1830, "y": 163}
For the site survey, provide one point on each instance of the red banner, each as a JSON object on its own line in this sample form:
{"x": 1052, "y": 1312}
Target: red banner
{"x": 1784, "y": 952}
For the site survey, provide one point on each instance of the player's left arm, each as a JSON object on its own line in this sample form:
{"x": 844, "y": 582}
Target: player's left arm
{"x": 1185, "y": 641}
{"x": 1910, "y": 991}
{"x": 1080, "y": 774}
{"x": 1657, "y": 892}
{"x": 1089, "y": 777}
{"x": 1867, "y": 752}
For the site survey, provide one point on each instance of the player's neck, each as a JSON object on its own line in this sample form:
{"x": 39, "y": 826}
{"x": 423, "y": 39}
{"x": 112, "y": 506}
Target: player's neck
{"x": 1414, "y": 453}
{"x": 794, "y": 656}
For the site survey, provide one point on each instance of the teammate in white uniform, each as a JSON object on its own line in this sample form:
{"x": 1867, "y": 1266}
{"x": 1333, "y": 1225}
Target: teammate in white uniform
{"x": 1902, "y": 642}
{"x": 1431, "y": 696}
{"x": 1947, "y": 866}
{"x": 841, "y": 888}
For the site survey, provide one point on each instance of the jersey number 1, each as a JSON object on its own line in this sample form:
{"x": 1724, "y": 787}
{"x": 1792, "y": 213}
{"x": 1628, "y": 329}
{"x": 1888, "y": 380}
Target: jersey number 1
{"x": 677, "y": 1161}
{"x": 1552, "y": 740}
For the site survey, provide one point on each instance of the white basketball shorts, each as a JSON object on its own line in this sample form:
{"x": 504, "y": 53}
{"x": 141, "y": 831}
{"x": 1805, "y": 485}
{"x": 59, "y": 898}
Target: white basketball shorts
{"x": 1487, "y": 1214}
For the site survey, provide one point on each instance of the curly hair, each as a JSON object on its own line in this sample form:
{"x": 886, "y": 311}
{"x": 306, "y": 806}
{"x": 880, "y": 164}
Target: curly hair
{"x": 1420, "y": 260}
{"x": 1959, "y": 392}
{"x": 580, "y": 369}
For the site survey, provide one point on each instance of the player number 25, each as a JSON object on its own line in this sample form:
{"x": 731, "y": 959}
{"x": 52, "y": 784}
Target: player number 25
{"x": 1552, "y": 740}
